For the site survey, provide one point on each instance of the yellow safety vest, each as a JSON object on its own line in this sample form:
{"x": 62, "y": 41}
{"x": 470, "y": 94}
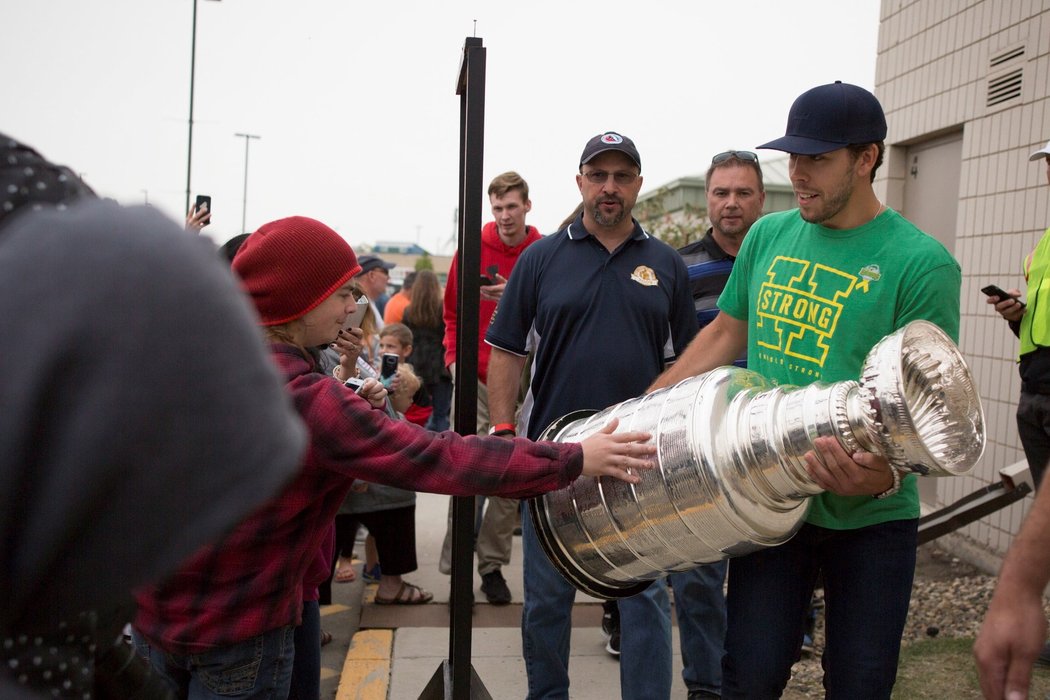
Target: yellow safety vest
{"x": 1035, "y": 324}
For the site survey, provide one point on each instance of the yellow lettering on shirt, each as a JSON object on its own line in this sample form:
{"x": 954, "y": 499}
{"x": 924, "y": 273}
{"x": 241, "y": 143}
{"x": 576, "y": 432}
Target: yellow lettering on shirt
{"x": 798, "y": 308}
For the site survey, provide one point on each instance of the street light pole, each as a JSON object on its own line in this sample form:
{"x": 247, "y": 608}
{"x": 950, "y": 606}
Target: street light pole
{"x": 193, "y": 69}
{"x": 244, "y": 207}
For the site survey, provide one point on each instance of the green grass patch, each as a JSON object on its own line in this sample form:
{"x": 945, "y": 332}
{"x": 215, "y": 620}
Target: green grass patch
{"x": 943, "y": 669}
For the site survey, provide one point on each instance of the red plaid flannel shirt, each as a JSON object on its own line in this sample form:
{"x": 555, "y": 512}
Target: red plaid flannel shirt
{"x": 250, "y": 582}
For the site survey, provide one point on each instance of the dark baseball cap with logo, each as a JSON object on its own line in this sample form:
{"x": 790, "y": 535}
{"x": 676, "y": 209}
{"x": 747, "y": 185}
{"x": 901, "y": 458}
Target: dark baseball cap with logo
{"x": 373, "y": 262}
{"x": 830, "y": 117}
{"x": 610, "y": 141}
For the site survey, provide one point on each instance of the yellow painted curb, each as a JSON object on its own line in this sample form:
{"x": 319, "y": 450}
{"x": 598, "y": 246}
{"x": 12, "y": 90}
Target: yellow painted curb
{"x": 366, "y": 671}
{"x": 333, "y": 608}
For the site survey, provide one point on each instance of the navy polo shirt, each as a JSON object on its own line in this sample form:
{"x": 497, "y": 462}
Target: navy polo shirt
{"x": 602, "y": 324}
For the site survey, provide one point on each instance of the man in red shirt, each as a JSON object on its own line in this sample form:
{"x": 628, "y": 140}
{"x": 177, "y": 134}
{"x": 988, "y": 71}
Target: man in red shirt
{"x": 502, "y": 242}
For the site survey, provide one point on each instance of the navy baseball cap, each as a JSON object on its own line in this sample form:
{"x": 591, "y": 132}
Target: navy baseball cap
{"x": 373, "y": 262}
{"x": 610, "y": 141}
{"x": 830, "y": 117}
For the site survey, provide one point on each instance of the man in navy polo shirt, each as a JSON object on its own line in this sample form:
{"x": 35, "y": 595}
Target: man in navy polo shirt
{"x": 604, "y": 306}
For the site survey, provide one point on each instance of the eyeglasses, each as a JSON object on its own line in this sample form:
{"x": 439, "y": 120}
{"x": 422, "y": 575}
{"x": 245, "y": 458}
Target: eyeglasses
{"x": 620, "y": 177}
{"x": 738, "y": 155}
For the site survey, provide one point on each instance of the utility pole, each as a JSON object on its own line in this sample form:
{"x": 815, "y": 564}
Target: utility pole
{"x": 193, "y": 70}
{"x": 244, "y": 207}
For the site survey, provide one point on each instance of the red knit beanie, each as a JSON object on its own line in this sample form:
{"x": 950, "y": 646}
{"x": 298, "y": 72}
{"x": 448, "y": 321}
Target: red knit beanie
{"x": 290, "y": 266}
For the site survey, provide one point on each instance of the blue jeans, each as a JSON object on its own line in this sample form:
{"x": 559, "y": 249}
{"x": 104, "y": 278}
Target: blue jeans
{"x": 441, "y": 400}
{"x": 306, "y": 668}
{"x": 546, "y": 624}
{"x": 700, "y": 606}
{"x": 257, "y": 668}
{"x": 867, "y": 573}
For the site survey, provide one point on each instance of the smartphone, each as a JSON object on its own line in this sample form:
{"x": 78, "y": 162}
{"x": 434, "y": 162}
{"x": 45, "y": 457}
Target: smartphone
{"x": 357, "y": 315}
{"x": 203, "y": 200}
{"x": 389, "y": 367}
{"x": 490, "y": 278}
{"x": 996, "y": 291}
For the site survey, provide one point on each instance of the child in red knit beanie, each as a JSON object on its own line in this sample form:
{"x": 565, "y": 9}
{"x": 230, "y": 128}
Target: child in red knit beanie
{"x": 225, "y": 619}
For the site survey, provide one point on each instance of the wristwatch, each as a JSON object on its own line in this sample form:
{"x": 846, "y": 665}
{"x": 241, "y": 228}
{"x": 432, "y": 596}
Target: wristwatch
{"x": 894, "y": 488}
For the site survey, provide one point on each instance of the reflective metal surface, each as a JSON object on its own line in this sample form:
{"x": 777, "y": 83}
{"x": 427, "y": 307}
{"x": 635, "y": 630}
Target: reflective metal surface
{"x": 730, "y": 475}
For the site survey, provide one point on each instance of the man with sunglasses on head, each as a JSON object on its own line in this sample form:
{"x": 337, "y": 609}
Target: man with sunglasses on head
{"x": 735, "y": 196}
{"x": 812, "y": 290}
{"x": 604, "y": 306}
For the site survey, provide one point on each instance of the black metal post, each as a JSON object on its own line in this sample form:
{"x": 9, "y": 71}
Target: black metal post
{"x": 456, "y": 678}
{"x": 193, "y": 70}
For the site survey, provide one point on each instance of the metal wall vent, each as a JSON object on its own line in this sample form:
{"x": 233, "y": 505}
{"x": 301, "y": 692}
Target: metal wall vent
{"x": 1005, "y": 87}
{"x": 1006, "y": 56}
{"x": 1006, "y": 79}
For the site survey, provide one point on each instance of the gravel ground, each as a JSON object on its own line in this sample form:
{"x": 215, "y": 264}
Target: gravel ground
{"x": 949, "y": 599}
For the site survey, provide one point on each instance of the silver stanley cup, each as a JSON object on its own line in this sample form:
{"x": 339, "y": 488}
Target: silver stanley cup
{"x": 730, "y": 477}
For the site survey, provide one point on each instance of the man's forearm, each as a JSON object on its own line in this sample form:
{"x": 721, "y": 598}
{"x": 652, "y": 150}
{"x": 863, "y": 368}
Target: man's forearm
{"x": 1027, "y": 564}
{"x": 721, "y": 342}
{"x": 504, "y": 382}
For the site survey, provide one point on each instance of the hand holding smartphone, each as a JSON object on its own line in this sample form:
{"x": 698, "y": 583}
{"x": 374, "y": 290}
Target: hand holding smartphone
{"x": 203, "y": 204}
{"x": 388, "y": 368}
{"x": 355, "y": 383}
{"x": 357, "y": 315}
{"x": 490, "y": 278}
{"x": 993, "y": 290}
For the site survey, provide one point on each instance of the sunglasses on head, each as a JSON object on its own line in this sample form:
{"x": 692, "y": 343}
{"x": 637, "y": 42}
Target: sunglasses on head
{"x": 738, "y": 155}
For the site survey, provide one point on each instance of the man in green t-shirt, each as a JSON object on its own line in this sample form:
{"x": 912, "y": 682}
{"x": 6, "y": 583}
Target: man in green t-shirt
{"x": 813, "y": 289}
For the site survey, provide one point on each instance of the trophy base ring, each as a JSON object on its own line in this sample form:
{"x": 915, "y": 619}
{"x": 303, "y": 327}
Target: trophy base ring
{"x": 564, "y": 564}
{"x": 549, "y": 542}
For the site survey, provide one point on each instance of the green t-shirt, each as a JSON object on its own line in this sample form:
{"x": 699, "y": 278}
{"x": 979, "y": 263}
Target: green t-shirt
{"x": 816, "y": 300}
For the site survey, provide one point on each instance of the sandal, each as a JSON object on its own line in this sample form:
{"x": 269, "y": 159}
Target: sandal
{"x": 326, "y": 638}
{"x": 344, "y": 572}
{"x": 408, "y": 594}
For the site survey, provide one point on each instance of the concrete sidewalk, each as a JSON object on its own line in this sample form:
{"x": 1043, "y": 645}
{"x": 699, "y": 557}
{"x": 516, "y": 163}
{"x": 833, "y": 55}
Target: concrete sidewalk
{"x": 381, "y": 652}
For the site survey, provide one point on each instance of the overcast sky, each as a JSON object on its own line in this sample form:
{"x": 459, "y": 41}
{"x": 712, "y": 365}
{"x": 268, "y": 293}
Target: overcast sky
{"x": 356, "y": 106}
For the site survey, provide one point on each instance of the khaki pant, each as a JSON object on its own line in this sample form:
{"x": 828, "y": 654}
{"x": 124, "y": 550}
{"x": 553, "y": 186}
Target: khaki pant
{"x": 499, "y": 516}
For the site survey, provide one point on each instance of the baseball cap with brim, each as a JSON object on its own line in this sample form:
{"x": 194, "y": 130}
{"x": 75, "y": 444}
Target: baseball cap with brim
{"x": 1041, "y": 153}
{"x": 829, "y": 117}
{"x": 373, "y": 262}
{"x": 610, "y": 141}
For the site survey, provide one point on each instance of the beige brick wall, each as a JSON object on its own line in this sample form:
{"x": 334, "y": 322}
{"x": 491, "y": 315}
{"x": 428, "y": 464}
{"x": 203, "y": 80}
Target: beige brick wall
{"x": 932, "y": 78}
